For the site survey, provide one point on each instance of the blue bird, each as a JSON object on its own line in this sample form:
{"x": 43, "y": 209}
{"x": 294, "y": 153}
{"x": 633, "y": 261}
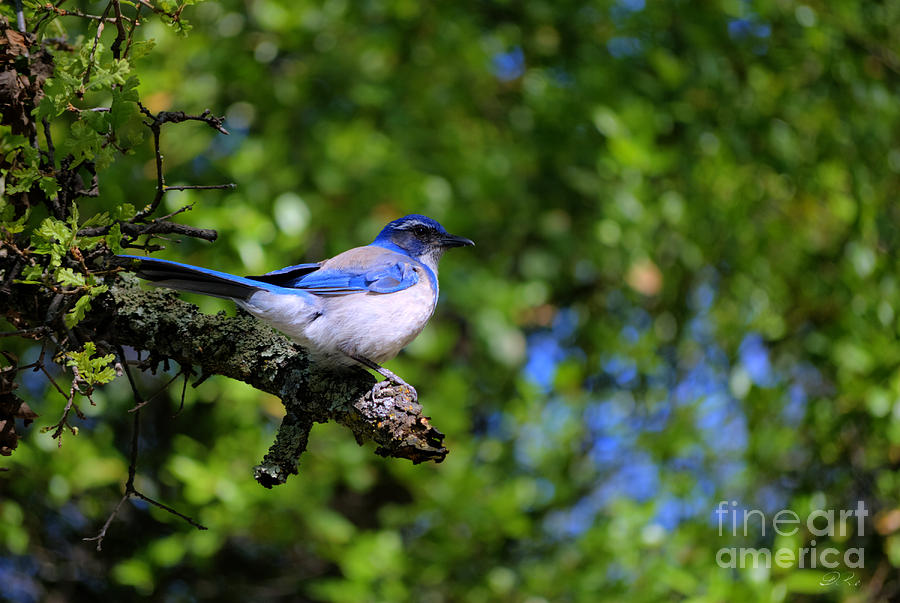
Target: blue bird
{"x": 361, "y": 306}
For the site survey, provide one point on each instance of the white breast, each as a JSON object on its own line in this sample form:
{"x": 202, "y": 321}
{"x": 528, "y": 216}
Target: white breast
{"x": 372, "y": 325}
{"x": 375, "y": 326}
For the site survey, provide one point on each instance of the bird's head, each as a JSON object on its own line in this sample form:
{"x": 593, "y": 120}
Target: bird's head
{"x": 420, "y": 238}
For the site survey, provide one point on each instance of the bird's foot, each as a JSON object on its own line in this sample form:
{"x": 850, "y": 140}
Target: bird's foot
{"x": 378, "y": 390}
{"x": 391, "y": 380}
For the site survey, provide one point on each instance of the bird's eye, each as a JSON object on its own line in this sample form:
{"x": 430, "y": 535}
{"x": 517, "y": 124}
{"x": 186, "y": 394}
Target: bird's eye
{"x": 419, "y": 230}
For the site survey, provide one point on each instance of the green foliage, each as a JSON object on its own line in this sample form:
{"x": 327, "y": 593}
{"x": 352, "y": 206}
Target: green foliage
{"x": 24, "y": 158}
{"x": 685, "y": 291}
{"x": 8, "y": 218}
{"x": 83, "y": 305}
{"x": 56, "y": 238}
{"x": 93, "y": 371}
{"x": 98, "y": 131}
{"x": 113, "y": 239}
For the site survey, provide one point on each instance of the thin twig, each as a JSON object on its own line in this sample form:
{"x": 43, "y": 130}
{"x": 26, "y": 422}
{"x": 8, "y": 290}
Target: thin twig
{"x": 10, "y": 243}
{"x": 200, "y": 187}
{"x": 134, "y": 22}
{"x": 130, "y": 490}
{"x": 160, "y": 179}
{"x": 155, "y": 126}
{"x": 179, "y": 116}
{"x": 144, "y": 403}
{"x": 146, "y": 247}
{"x": 63, "y": 422}
{"x": 62, "y": 12}
{"x": 165, "y": 507}
{"x": 120, "y": 30}
{"x": 180, "y": 210}
{"x": 50, "y": 148}
{"x": 187, "y": 374}
{"x": 40, "y": 367}
{"x": 50, "y": 9}
{"x": 102, "y": 534}
{"x": 100, "y": 26}
{"x": 203, "y": 377}
{"x": 174, "y": 16}
{"x": 124, "y": 360}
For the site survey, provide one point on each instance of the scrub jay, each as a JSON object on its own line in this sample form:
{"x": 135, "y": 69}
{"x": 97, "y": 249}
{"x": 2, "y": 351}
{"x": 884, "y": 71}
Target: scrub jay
{"x": 363, "y": 305}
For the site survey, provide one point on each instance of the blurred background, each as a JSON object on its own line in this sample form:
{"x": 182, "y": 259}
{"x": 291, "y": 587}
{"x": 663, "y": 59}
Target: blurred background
{"x": 684, "y": 291}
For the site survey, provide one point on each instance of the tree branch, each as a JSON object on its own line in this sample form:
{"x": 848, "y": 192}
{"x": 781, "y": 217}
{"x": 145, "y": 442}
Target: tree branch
{"x": 245, "y": 349}
{"x": 120, "y": 30}
{"x": 155, "y": 125}
{"x": 156, "y": 227}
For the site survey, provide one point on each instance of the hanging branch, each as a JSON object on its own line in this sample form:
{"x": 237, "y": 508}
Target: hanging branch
{"x": 130, "y": 490}
{"x": 155, "y": 125}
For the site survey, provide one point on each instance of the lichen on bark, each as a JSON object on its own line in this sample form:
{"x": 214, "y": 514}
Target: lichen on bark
{"x": 242, "y": 348}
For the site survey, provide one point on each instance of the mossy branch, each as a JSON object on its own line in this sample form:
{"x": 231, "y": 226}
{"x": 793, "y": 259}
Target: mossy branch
{"x": 240, "y": 347}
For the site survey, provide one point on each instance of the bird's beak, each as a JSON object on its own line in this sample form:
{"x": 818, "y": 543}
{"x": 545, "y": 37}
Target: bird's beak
{"x": 455, "y": 241}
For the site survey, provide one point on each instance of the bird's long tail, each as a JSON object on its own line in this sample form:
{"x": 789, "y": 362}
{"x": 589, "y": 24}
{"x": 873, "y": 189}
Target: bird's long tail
{"x": 184, "y": 277}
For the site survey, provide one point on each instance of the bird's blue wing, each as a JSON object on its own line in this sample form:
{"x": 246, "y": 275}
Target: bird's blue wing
{"x": 386, "y": 278}
{"x": 359, "y": 270}
{"x": 365, "y": 269}
{"x": 286, "y": 277}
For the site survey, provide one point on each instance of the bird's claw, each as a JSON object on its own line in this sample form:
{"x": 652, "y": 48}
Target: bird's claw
{"x": 378, "y": 390}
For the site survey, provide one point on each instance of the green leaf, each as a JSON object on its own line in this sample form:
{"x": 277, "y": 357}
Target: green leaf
{"x": 73, "y": 220}
{"x": 54, "y": 250}
{"x": 104, "y": 157}
{"x": 78, "y": 311}
{"x": 52, "y": 229}
{"x": 126, "y": 120}
{"x": 49, "y": 185}
{"x": 23, "y": 179}
{"x": 98, "y": 120}
{"x": 32, "y": 275}
{"x": 107, "y": 74}
{"x": 123, "y": 212}
{"x": 7, "y": 217}
{"x": 141, "y": 48}
{"x": 114, "y": 238}
{"x": 83, "y": 142}
{"x": 12, "y": 142}
{"x": 94, "y": 371}
{"x": 83, "y": 306}
{"x": 70, "y": 278}
{"x": 58, "y": 93}
{"x": 100, "y": 219}
{"x": 53, "y": 237}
